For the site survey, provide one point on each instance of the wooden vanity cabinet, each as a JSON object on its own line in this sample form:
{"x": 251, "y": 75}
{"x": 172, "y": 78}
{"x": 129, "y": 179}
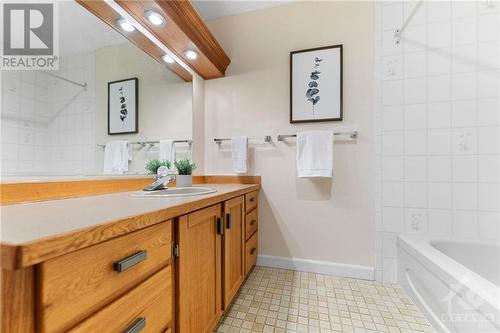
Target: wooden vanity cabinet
{"x": 233, "y": 248}
{"x": 199, "y": 266}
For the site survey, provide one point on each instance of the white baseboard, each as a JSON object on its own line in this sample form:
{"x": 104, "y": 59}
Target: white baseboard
{"x": 316, "y": 266}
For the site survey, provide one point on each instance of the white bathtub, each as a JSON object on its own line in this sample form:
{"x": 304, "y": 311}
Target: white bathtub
{"x": 456, "y": 284}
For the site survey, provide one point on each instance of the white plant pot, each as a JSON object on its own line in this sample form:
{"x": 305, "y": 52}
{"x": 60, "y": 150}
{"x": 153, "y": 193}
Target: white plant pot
{"x": 184, "y": 180}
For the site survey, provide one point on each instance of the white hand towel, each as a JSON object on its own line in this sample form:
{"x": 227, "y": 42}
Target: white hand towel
{"x": 117, "y": 154}
{"x": 239, "y": 153}
{"x": 167, "y": 150}
{"x": 315, "y": 154}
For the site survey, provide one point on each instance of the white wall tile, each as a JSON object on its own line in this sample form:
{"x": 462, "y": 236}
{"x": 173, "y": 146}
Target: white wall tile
{"x": 392, "y": 143}
{"x": 393, "y": 92}
{"x": 439, "y": 115}
{"x": 489, "y": 168}
{"x": 415, "y": 168}
{"x": 488, "y": 84}
{"x": 415, "y": 91}
{"x": 464, "y": 58}
{"x": 465, "y": 224}
{"x": 415, "y": 221}
{"x": 414, "y": 38}
{"x": 488, "y": 197}
{"x": 488, "y": 28}
{"x": 439, "y": 35}
{"x": 488, "y": 140}
{"x": 464, "y": 196}
{"x": 438, "y": 88}
{"x": 415, "y": 116}
{"x": 488, "y": 226}
{"x": 440, "y": 168}
{"x": 415, "y": 64}
{"x": 393, "y": 194}
{"x": 439, "y": 142}
{"x": 464, "y": 113}
{"x": 439, "y": 195}
{"x": 393, "y": 118}
{"x": 487, "y": 56}
{"x": 463, "y": 8}
{"x": 392, "y": 16}
{"x": 465, "y": 168}
{"x": 393, "y": 219}
{"x": 463, "y": 86}
{"x": 440, "y": 222}
{"x": 415, "y": 195}
{"x": 464, "y": 30}
{"x": 438, "y": 11}
{"x": 439, "y": 61}
{"x": 393, "y": 168}
{"x": 488, "y": 112}
{"x": 464, "y": 141}
{"x": 389, "y": 249}
{"x": 415, "y": 142}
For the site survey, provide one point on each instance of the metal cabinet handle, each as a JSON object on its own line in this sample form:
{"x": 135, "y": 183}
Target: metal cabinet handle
{"x": 252, "y": 251}
{"x": 253, "y": 222}
{"x": 220, "y": 226}
{"x": 130, "y": 261}
{"x": 136, "y": 326}
{"x": 228, "y": 221}
{"x": 252, "y": 199}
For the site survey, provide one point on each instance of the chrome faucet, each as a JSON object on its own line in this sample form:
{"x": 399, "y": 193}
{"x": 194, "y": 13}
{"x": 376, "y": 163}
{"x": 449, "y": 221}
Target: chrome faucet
{"x": 160, "y": 183}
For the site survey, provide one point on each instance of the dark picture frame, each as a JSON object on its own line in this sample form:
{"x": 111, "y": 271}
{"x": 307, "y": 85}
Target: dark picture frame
{"x": 121, "y": 112}
{"x": 313, "y": 77}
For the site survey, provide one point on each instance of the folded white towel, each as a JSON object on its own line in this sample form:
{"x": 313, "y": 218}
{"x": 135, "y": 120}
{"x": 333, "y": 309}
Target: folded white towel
{"x": 315, "y": 154}
{"x": 117, "y": 154}
{"x": 239, "y": 153}
{"x": 167, "y": 150}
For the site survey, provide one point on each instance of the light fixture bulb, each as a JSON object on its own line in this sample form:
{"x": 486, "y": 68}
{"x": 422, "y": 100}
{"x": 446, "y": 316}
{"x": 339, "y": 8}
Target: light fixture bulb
{"x": 168, "y": 59}
{"x": 154, "y": 18}
{"x": 125, "y": 25}
{"x": 190, "y": 54}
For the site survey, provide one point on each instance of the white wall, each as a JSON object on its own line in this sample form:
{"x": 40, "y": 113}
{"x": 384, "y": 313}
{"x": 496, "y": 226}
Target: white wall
{"x": 165, "y": 102}
{"x": 330, "y": 221}
{"x": 47, "y": 123}
{"x": 438, "y": 117}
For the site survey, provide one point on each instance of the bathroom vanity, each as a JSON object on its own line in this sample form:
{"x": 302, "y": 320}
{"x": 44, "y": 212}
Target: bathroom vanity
{"x": 118, "y": 263}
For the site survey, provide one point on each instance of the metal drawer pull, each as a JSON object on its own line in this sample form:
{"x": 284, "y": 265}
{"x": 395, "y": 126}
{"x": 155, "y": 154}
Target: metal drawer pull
{"x": 136, "y": 326}
{"x": 220, "y": 226}
{"x": 252, "y": 251}
{"x": 130, "y": 261}
{"x": 228, "y": 221}
{"x": 253, "y": 222}
{"x": 252, "y": 199}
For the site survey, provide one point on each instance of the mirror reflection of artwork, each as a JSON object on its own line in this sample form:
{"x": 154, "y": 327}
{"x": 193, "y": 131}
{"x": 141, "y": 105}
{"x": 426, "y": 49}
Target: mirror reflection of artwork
{"x": 123, "y": 106}
{"x": 316, "y": 84}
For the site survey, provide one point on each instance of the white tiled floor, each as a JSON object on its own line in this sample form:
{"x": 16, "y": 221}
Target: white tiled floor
{"x": 278, "y": 300}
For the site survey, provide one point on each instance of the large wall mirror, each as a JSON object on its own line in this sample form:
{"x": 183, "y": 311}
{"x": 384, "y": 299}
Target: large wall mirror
{"x": 55, "y": 123}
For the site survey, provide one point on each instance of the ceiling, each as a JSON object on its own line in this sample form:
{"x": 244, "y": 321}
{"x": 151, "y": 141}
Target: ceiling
{"x": 80, "y": 31}
{"x": 212, "y": 9}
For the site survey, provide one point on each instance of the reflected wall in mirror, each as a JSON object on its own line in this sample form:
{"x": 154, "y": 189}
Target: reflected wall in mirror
{"x": 55, "y": 123}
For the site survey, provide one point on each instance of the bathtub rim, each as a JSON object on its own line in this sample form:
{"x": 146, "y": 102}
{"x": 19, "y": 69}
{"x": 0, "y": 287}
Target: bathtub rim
{"x": 447, "y": 269}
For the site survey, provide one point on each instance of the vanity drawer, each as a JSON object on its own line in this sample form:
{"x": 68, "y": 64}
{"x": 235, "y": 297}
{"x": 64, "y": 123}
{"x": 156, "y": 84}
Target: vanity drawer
{"x": 251, "y": 200}
{"x": 251, "y": 252}
{"x": 251, "y": 223}
{"x": 148, "y": 305}
{"x": 76, "y": 285}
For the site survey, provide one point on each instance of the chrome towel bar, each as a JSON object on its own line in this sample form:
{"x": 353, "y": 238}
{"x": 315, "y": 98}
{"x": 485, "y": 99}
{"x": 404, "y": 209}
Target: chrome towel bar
{"x": 352, "y": 135}
{"x": 266, "y": 138}
{"x": 152, "y": 143}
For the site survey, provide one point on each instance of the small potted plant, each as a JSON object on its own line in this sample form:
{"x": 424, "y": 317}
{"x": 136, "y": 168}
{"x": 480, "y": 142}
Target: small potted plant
{"x": 153, "y": 165}
{"x": 185, "y": 168}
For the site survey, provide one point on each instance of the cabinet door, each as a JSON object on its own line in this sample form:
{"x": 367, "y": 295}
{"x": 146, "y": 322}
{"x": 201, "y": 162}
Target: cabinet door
{"x": 233, "y": 248}
{"x": 200, "y": 267}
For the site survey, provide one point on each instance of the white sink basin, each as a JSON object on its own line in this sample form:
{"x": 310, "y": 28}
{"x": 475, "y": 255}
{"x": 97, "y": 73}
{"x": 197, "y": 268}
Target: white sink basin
{"x": 176, "y": 192}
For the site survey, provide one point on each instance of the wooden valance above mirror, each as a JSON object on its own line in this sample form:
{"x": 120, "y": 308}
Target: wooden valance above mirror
{"x": 184, "y": 30}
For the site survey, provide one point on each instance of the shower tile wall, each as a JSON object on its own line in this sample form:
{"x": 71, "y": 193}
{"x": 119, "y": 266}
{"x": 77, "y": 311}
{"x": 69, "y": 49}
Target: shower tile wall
{"x": 48, "y": 124}
{"x": 437, "y": 124}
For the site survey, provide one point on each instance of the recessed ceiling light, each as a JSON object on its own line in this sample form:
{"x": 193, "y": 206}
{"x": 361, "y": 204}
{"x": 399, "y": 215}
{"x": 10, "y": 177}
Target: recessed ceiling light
{"x": 125, "y": 25}
{"x": 190, "y": 54}
{"x": 154, "y": 18}
{"x": 168, "y": 59}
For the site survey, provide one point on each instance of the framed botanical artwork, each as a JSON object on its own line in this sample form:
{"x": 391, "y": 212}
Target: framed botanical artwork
{"x": 123, "y": 106}
{"x": 316, "y": 84}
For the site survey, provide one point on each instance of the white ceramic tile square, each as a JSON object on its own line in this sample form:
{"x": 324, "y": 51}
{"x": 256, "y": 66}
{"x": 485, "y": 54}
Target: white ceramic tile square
{"x": 488, "y": 197}
{"x": 465, "y": 224}
{"x": 393, "y": 68}
{"x": 393, "y": 92}
{"x": 464, "y": 196}
{"x": 464, "y": 113}
{"x": 415, "y": 64}
{"x": 393, "y": 219}
{"x": 392, "y": 143}
{"x": 415, "y": 90}
{"x": 415, "y": 116}
{"x": 439, "y": 195}
{"x": 389, "y": 47}
{"x": 464, "y": 58}
{"x": 415, "y": 195}
{"x": 438, "y": 11}
{"x": 464, "y": 141}
{"x": 488, "y": 140}
{"x": 489, "y": 168}
{"x": 465, "y": 168}
{"x": 389, "y": 248}
{"x": 393, "y": 118}
{"x": 439, "y": 142}
{"x": 463, "y": 8}
{"x": 488, "y": 84}
{"x": 463, "y": 86}
{"x": 393, "y": 168}
{"x": 488, "y": 28}
{"x": 415, "y": 168}
{"x": 440, "y": 222}
{"x": 488, "y": 226}
{"x": 440, "y": 168}
{"x": 439, "y": 61}
{"x": 393, "y": 194}
{"x": 392, "y": 16}
{"x": 415, "y": 142}
{"x": 439, "y": 35}
{"x": 464, "y": 30}
{"x": 438, "y": 88}
{"x": 415, "y": 38}
{"x": 487, "y": 56}
{"x": 419, "y": 17}
{"x": 439, "y": 115}
{"x": 415, "y": 220}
